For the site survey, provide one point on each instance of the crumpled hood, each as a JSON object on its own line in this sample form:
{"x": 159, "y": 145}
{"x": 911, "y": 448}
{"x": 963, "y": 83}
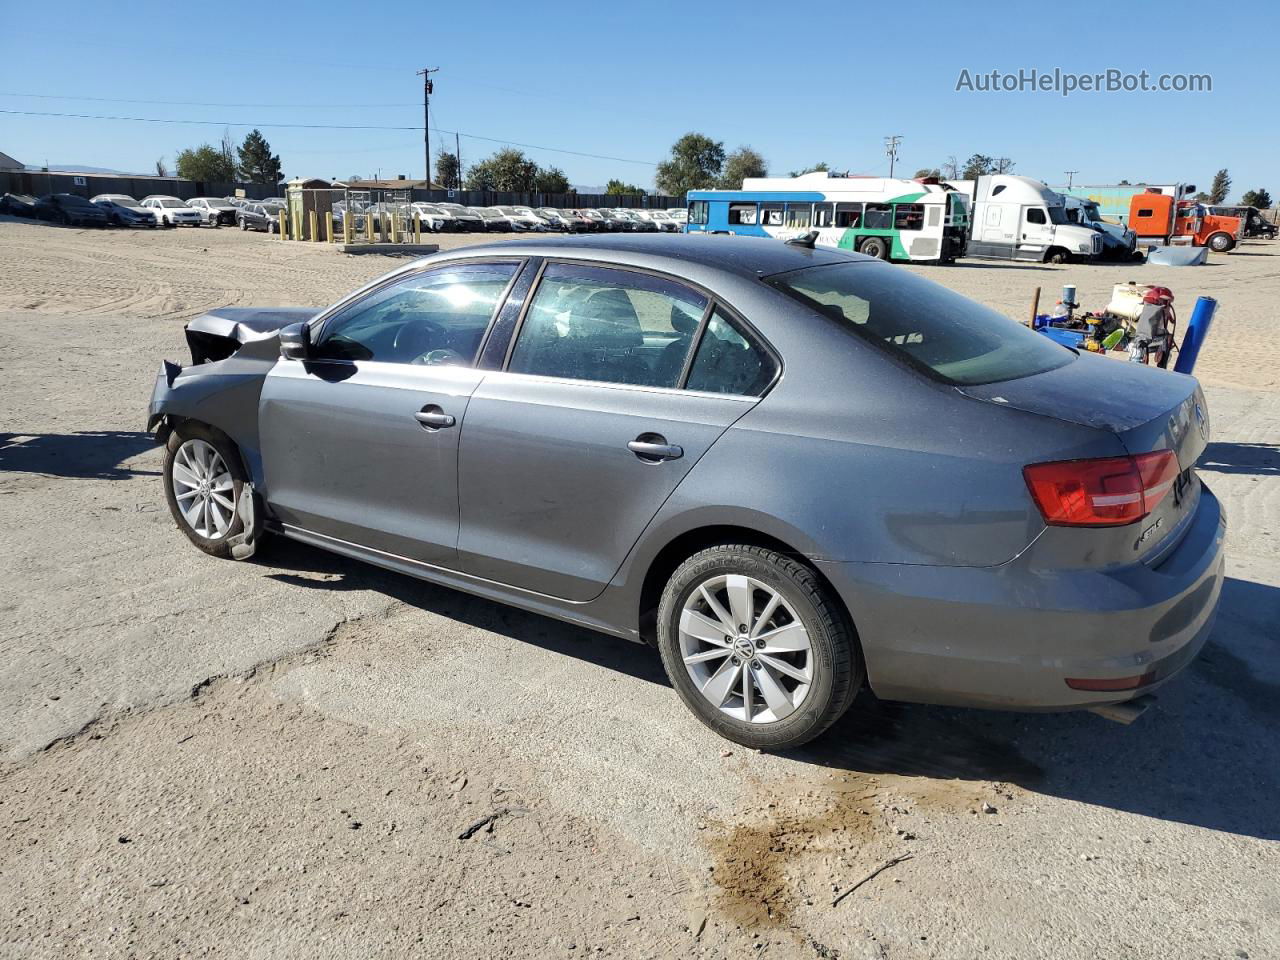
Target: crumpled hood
{"x": 243, "y": 324}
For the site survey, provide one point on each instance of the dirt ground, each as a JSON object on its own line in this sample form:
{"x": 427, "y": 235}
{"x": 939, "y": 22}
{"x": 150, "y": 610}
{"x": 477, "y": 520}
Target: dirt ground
{"x": 303, "y": 756}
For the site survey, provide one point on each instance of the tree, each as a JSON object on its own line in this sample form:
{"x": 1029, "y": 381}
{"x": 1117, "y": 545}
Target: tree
{"x": 1257, "y": 198}
{"x": 1124, "y": 183}
{"x": 976, "y": 166}
{"x": 951, "y": 168}
{"x": 820, "y": 167}
{"x": 695, "y": 164}
{"x": 551, "y": 180}
{"x": 257, "y": 163}
{"x": 928, "y": 172}
{"x": 161, "y": 169}
{"x": 742, "y": 163}
{"x": 447, "y": 173}
{"x": 1220, "y": 187}
{"x": 508, "y": 169}
{"x": 616, "y": 188}
{"x": 1202, "y": 197}
{"x": 205, "y": 163}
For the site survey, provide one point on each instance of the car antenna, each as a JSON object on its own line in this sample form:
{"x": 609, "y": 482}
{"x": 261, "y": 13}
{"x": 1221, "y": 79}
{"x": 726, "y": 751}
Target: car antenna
{"x": 808, "y": 240}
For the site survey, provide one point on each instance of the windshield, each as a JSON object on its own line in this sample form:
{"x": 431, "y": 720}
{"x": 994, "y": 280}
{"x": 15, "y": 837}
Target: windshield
{"x": 946, "y": 335}
{"x": 1091, "y": 211}
{"x": 172, "y": 203}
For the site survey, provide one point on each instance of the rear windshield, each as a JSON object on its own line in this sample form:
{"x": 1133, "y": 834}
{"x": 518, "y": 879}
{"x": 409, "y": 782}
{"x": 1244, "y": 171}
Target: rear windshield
{"x": 949, "y": 336}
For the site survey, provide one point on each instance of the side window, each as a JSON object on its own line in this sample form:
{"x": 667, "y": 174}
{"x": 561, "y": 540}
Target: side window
{"x": 908, "y": 216}
{"x": 878, "y": 216}
{"x": 742, "y": 213}
{"x": 848, "y": 214}
{"x": 1146, "y": 213}
{"x": 611, "y": 326}
{"x": 727, "y": 361}
{"x": 1035, "y": 215}
{"x": 822, "y": 215}
{"x": 771, "y": 214}
{"x": 799, "y": 214}
{"x": 432, "y": 318}
{"x": 698, "y": 211}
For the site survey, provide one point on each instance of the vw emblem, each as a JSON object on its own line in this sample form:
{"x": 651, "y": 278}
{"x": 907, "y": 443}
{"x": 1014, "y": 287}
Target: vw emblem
{"x": 1202, "y": 421}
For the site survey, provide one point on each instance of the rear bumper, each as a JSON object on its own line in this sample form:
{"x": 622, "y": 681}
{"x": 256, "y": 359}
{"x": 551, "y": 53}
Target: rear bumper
{"x": 1010, "y": 636}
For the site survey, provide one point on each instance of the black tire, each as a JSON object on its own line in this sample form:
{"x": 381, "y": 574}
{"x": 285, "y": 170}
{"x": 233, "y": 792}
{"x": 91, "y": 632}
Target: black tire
{"x": 1221, "y": 242}
{"x": 876, "y": 247}
{"x": 1056, "y": 255}
{"x": 835, "y": 658}
{"x": 191, "y": 430}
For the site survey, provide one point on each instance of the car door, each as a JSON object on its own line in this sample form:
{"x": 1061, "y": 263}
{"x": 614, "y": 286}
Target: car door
{"x": 360, "y": 440}
{"x": 570, "y": 450}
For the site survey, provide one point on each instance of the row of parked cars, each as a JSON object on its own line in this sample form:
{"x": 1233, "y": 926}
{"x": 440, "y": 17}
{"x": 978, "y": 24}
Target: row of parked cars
{"x": 121, "y": 210}
{"x": 454, "y": 217}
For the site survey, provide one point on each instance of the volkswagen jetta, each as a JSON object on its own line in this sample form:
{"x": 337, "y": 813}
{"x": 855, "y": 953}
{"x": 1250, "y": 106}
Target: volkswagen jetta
{"x": 795, "y": 471}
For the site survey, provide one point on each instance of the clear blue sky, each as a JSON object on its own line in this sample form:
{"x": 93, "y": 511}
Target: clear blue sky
{"x": 798, "y": 82}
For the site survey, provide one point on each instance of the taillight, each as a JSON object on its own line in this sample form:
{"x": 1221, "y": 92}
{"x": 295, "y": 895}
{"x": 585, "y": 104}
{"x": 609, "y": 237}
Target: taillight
{"x": 1110, "y": 491}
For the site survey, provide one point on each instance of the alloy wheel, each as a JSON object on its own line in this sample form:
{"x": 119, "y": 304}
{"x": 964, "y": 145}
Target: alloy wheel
{"x": 745, "y": 649}
{"x": 203, "y": 489}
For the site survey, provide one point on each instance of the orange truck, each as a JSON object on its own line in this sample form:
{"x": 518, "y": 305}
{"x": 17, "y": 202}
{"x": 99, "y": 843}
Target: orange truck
{"x": 1160, "y": 218}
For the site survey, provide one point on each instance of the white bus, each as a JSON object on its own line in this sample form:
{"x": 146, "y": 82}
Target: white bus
{"x": 919, "y": 220}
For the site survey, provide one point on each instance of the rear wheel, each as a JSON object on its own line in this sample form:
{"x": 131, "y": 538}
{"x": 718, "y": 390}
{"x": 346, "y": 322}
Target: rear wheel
{"x": 203, "y": 482}
{"x": 875, "y": 247}
{"x": 757, "y": 646}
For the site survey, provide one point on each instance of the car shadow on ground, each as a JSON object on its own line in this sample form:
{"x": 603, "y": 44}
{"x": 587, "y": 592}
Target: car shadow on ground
{"x": 1206, "y": 754}
{"x": 1262, "y": 459}
{"x": 93, "y": 455}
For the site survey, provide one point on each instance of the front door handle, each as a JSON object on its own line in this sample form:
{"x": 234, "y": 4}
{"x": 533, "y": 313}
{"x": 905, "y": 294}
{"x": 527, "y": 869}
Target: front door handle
{"x": 433, "y": 418}
{"x": 653, "y": 448}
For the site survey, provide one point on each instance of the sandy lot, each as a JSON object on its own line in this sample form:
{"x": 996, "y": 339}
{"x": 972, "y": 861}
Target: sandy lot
{"x": 281, "y": 758}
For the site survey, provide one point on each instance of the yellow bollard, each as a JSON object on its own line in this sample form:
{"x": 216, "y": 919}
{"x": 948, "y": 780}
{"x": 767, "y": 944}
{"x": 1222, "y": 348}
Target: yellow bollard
{"x": 346, "y": 226}
{"x": 284, "y": 226}
{"x": 417, "y": 227}
{"x": 395, "y": 228}
{"x": 314, "y": 224}
{"x": 328, "y": 226}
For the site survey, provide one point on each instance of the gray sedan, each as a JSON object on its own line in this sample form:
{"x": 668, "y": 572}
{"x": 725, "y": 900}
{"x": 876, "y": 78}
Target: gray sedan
{"x": 796, "y": 471}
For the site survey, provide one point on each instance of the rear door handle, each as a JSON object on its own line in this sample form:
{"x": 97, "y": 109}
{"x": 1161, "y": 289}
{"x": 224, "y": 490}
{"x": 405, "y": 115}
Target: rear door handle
{"x": 655, "y": 450}
{"x": 433, "y": 418}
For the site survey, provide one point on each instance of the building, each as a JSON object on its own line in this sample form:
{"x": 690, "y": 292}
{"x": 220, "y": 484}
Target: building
{"x": 8, "y": 163}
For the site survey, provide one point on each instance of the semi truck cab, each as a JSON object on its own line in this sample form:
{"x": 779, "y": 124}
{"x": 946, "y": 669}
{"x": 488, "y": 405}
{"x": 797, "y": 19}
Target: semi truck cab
{"x": 1161, "y": 218}
{"x": 1017, "y": 218}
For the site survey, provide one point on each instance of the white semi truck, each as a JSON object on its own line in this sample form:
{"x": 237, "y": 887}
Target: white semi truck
{"x": 1017, "y": 218}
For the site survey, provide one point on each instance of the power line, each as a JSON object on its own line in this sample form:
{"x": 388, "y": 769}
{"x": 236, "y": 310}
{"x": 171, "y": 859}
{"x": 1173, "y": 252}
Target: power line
{"x": 325, "y": 126}
{"x": 205, "y": 103}
{"x": 891, "y": 150}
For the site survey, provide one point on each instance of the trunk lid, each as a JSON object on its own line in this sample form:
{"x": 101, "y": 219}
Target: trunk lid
{"x": 1149, "y": 410}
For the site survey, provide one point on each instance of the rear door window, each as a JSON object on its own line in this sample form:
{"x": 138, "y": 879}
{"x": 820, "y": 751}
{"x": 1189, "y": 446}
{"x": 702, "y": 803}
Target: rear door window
{"x": 606, "y": 325}
{"x": 729, "y": 361}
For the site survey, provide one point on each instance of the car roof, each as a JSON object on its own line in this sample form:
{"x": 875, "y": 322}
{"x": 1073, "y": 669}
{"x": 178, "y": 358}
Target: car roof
{"x": 744, "y": 256}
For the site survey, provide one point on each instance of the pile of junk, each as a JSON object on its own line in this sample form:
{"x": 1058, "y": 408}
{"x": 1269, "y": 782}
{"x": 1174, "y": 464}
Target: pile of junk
{"x": 1139, "y": 319}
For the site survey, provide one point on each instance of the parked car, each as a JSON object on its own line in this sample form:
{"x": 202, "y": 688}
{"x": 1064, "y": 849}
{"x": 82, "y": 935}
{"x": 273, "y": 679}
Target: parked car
{"x": 611, "y": 221}
{"x": 277, "y": 201}
{"x": 554, "y": 218}
{"x": 214, "y": 211}
{"x": 259, "y": 216}
{"x": 124, "y": 211}
{"x": 680, "y": 215}
{"x": 340, "y": 208}
{"x": 637, "y": 223}
{"x": 466, "y": 217}
{"x": 523, "y": 218}
{"x": 435, "y": 219}
{"x": 238, "y": 201}
{"x": 630, "y": 457}
{"x": 71, "y": 210}
{"x": 493, "y": 221}
{"x": 576, "y": 222}
{"x": 170, "y": 211}
{"x": 18, "y": 205}
{"x": 664, "y": 222}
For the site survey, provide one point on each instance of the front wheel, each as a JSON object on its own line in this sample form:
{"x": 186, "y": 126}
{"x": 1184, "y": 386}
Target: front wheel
{"x": 1221, "y": 242}
{"x": 203, "y": 483}
{"x": 757, "y": 646}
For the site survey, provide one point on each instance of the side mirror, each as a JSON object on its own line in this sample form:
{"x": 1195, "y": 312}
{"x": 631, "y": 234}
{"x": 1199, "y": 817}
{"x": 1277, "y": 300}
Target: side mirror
{"x": 295, "y": 341}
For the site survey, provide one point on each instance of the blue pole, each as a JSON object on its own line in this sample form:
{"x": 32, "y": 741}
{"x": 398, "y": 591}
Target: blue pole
{"x": 1197, "y": 330}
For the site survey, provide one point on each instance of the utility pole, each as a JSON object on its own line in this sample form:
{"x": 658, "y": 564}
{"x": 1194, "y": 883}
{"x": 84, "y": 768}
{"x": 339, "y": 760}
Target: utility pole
{"x": 427, "y": 86}
{"x": 1070, "y": 174}
{"x": 457, "y": 155}
{"x": 891, "y": 150}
